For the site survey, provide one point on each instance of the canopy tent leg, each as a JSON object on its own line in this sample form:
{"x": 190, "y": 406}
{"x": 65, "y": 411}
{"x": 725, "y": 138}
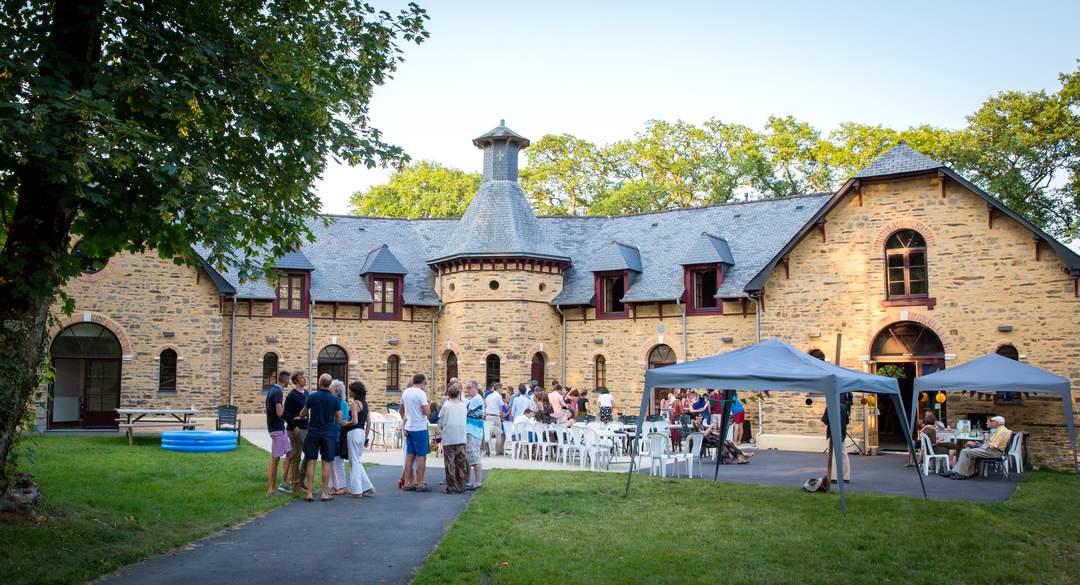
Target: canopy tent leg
{"x": 637, "y": 439}
{"x": 899, "y": 404}
{"x": 1067, "y": 400}
{"x": 914, "y": 407}
{"x": 832, "y": 402}
{"x": 725, "y": 418}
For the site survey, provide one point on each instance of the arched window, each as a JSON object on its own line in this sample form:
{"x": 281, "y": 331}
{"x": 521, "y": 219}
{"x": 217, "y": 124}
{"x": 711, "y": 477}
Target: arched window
{"x": 1009, "y": 351}
{"x": 492, "y": 370}
{"x": 334, "y": 361}
{"x": 907, "y": 339}
{"x": 270, "y": 368}
{"x": 167, "y": 371}
{"x": 451, "y": 367}
{"x": 817, "y": 353}
{"x": 393, "y": 374}
{"x": 661, "y": 356}
{"x": 538, "y": 363}
{"x": 905, "y": 261}
{"x": 600, "y": 372}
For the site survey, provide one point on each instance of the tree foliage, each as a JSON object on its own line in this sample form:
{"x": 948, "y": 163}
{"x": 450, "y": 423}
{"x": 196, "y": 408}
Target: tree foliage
{"x": 420, "y": 189}
{"x": 1022, "y": 147}
{"x": 136, "y": 125}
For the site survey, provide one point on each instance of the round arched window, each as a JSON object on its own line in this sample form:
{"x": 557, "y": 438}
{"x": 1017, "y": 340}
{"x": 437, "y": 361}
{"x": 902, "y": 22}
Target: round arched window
{"x": 817, "y": 353}
{"x": 88, "y": 263}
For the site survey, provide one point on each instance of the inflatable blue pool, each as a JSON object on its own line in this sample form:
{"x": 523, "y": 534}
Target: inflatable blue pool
{"x": 198, "y": 441}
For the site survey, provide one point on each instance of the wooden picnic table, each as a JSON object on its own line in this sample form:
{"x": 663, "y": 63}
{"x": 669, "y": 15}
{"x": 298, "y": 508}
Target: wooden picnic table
{"x": 159, "y": 417}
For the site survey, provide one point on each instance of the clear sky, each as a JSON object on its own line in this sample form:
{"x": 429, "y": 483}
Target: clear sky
{"x": 599, "y": 70}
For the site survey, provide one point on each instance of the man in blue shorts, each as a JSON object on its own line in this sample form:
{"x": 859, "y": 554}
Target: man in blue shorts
{"x": 414, "y": 411}
{"x": 323, "y": 408}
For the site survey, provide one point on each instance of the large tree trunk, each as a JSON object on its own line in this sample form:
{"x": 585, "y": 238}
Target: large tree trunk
{"x": 31, "y": 273}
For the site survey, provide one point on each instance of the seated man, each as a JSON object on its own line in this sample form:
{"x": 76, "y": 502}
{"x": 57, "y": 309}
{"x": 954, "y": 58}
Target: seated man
{"x": 967, "y": 463}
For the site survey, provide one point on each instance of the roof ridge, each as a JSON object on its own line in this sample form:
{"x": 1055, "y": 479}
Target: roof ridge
{"x": 708, "y": 206}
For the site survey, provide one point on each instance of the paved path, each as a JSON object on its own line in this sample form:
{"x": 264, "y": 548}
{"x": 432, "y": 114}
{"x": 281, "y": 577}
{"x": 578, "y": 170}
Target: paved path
{"x": 382, "y": 539}
{"x": 882, "y": 474}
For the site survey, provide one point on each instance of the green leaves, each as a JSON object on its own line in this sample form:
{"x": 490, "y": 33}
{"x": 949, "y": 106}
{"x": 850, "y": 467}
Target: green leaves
{"x": 1023, "y": 147}
{"x": 421, "y": 189}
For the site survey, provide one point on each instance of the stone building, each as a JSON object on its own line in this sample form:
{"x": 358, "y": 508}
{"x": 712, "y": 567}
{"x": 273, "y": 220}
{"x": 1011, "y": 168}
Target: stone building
{"x": 906, "y": 269}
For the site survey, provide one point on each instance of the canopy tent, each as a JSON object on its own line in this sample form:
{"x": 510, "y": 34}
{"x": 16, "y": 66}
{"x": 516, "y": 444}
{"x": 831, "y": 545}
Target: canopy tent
{"x": 997, "y": 373}
{"x": 776, "y": 366}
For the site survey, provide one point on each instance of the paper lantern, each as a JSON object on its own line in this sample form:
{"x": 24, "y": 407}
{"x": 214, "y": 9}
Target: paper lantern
{"x": 940, "y": 398}
{"x": 872, "y": 400}
{"x": 924, "y": 397}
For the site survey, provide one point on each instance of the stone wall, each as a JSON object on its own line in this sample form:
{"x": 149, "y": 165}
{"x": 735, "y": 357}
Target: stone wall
{"x": 980, "y": 277}
{"x": 513, "y": 321}
{"x": 626, "y": 343}
{"x": 143, "y": 299}
{"x": 368, "y": 344}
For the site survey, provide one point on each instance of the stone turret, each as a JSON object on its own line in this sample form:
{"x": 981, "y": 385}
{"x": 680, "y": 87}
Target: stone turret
{"x": 497, "y": 273}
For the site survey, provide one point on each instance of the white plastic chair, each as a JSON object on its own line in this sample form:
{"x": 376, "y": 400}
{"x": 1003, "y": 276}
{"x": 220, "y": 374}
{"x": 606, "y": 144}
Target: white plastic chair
{"x": 1015, "y": 456}
{"x": 659, "y": 453}
{"x": 593, "y": 449}
{"x": 692, "y": 451}
{"x": 930, "y": 458}
{"x": 575, "y": 441}
{"x": 512, "y": 440}
{"x": 540, "y": 441}
{"x": 563, "y": 448}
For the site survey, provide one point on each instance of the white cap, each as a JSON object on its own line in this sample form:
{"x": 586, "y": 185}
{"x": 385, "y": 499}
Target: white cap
{"x": 998, "y": 419}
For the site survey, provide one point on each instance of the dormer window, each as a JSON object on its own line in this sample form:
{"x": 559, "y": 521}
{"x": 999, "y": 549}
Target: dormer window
{"x": 292, "y": 295}
{"x": 610, "y": 289}
{"x": 702, "y": 282}
{"x": 386, "y": 297}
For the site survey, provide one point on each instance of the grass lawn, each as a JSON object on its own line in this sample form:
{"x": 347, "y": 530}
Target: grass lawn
{"x": 565, "y": 527}
{"x": 109, "y": 504}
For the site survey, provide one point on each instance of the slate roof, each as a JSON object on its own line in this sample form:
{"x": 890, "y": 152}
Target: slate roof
{"x": 898, "y": 160}
{"x": 616, "y": 256}
{"x": 754, "y": 230}
{"x": 500, "y": 132}
{"x": 498, "y": 222}
{"x": 381, "y": 260}
{"x": 294, "y": 261}
{"x": 750, "y": 237}
{"x": 708, "y": 249}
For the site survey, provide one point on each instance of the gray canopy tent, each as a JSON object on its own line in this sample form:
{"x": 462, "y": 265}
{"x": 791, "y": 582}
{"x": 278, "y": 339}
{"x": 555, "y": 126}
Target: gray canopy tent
{"x": 775, "y": 366}
{"x": 996, "y": 373}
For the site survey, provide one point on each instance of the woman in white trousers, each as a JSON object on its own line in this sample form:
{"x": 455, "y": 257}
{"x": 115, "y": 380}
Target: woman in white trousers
{"x": 337, "y": 467}
{"x": 358, "y": 484}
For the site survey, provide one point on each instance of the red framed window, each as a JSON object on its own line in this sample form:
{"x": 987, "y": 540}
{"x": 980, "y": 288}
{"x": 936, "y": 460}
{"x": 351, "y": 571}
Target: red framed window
{"x": 610, "y": 289}
{"x": 292, "y": 295}
{"x": 701, "y": 284}
{"x": 905, "y": 266}
{"x": 386, "y": 298}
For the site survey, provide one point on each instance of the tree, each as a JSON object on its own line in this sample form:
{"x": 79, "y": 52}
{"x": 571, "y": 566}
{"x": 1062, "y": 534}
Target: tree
{"x": 564, "y": 175}
{"x": 1024, "y": 148}
{"x": 421, "y": 189}
{"x": 153, "y": 125}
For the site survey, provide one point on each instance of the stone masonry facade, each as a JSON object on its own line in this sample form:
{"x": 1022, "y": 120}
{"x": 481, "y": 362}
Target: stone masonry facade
{"x": 988, "y": 285}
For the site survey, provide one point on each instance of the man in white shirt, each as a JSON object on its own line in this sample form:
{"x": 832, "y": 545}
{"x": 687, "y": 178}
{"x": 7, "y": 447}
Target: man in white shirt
{"x": 493, "y": 404}
{"x": 414, "y": 411}
{"x": 520, "y": 404}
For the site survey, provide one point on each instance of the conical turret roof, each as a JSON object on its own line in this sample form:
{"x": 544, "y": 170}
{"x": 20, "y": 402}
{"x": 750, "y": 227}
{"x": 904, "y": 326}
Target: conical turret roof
{"x": 499, "y": 221}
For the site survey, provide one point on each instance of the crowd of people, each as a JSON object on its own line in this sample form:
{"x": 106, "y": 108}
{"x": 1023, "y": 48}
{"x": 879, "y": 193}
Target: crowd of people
{"x": 964, "y": 459}
{"x": 331, "y": 425}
